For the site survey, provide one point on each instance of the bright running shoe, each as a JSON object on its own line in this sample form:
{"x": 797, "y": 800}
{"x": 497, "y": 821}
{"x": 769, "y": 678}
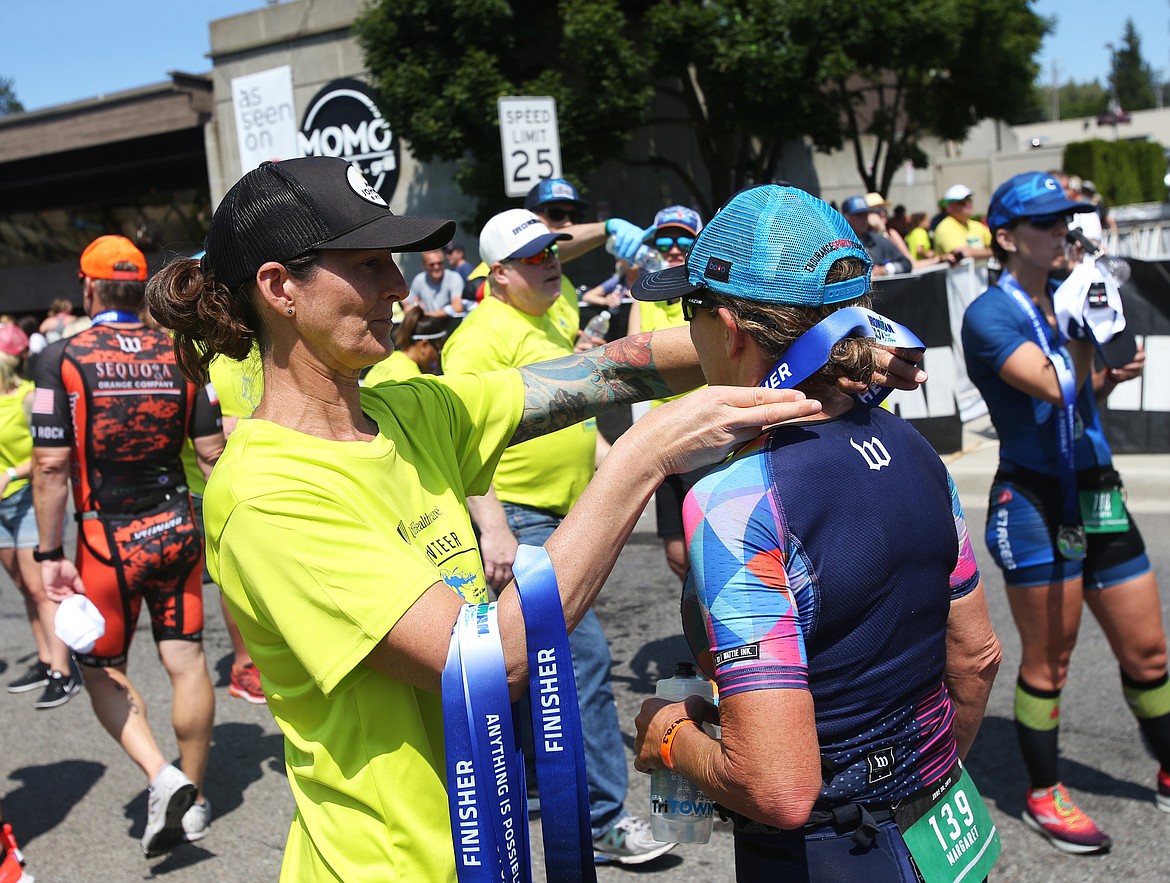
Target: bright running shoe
{"x": 11, "y": 861}
{"x": 171, "y": 795}
{"x": 1162, "y": 798}
{"x": 36, "y": 676}
{"x": 629, "y": 842}
{"x": 245, "y": 684}
{"x": 1052, "y": 812}
{"x": 197, "y": 821}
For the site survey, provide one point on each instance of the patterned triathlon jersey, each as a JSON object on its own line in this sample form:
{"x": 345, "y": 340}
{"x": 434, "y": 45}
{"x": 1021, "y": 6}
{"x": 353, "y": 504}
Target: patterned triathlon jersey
{"x": 824, "y": 558}
{"x": 117, "y": 399}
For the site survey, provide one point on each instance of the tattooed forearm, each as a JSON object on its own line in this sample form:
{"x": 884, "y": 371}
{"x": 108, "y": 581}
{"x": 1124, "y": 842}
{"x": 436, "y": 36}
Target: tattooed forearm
{"x": 565, "y": 391}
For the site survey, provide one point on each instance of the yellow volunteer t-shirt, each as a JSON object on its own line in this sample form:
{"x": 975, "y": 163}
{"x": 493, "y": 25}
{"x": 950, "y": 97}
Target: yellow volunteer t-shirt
{"x": 565, "y": 313}
{"x": 950, "y": 235}
{"x": 549, "y": 472}
{"x": 918, "y": 240}
{"x": 396, "y": 366}
{"x": 239, "y": 385}
{"x": 656, "y": 316}
{"x": 320, "y": 547}
{"x": 196, "y": 483}
{"x": 15, "y": 436}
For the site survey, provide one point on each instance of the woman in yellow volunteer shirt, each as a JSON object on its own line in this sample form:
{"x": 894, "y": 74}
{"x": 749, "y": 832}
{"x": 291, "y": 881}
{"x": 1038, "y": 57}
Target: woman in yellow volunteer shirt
{"x": 336, "y": 518}
{"x": 53, "y": 671}
{"x": 418, "y": 340}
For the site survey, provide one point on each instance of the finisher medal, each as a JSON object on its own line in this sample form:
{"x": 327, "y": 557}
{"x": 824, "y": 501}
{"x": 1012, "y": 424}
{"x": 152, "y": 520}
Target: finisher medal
{"x": 1071, "y": 542}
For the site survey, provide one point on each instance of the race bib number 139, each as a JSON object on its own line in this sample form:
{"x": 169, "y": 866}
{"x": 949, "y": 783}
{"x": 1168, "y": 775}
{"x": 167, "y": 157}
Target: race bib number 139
{"x": 950, "y": 833}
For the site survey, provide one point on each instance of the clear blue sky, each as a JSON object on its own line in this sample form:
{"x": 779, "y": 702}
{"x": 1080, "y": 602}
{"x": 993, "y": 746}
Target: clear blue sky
{"x": 57, "y": 51}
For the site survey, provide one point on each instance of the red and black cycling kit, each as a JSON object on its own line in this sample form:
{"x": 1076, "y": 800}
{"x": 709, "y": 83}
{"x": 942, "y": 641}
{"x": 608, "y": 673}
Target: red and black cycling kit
{"x": 114, "y": 396}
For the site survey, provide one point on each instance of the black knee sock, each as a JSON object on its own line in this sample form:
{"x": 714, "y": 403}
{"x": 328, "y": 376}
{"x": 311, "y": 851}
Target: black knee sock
{"x": 1037, "y": 715}
{"x": 1150, "y": 703}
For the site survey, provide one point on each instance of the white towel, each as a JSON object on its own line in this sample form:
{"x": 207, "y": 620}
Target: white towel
{"x": 1088, "y": 304}
{"x": 79, "y": 623}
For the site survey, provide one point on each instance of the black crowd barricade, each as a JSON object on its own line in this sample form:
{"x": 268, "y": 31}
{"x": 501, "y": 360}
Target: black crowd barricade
{"x": 1137, "y": 414}
{"x": 922, "y": 302}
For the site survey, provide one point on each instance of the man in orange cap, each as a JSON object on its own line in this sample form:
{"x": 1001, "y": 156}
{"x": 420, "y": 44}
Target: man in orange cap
{"x": 112, "y": 409}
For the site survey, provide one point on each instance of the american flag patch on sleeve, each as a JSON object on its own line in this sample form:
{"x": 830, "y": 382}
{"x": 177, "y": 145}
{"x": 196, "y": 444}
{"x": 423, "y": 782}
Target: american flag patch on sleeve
{"x": 43, "y": 401}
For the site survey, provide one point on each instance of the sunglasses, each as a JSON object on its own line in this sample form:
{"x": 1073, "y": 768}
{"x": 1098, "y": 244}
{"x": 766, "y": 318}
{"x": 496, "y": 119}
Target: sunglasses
{"x": 666, "y": 243}
{"x": 540, "y": 257}
{"x": 562, "y": 214}
{"x": 692, "y": 303}
{"x": 1047, "y": 222}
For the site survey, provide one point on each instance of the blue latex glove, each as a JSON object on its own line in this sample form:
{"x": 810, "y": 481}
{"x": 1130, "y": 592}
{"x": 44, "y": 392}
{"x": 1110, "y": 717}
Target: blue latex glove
{"x": 628, "y": 237}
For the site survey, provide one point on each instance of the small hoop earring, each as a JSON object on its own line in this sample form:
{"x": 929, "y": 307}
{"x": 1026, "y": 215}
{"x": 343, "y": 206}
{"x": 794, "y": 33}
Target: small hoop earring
{"x": 289, "y": 311}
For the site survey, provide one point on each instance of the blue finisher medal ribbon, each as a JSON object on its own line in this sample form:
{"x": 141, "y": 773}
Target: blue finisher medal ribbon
{"x": 124, "y": 317}
{"x": 556, "y": 722}
{"x": 809, "y": 352}
{"x": 1070, "y": 535}
{"x": 478, "y": 681}
{"x": 485, "y": 771}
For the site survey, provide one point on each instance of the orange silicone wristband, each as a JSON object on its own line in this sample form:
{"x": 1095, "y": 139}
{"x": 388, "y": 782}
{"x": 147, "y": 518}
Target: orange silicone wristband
{"x": 668, "y": 740}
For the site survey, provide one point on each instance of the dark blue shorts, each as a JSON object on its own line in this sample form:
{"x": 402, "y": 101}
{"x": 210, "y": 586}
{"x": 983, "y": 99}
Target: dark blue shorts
{"x": 823, "y": 856}
{"x": 1023, "y": 514}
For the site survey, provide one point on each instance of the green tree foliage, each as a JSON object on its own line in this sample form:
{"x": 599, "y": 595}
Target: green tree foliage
{"x": 739, "y": 78}
{"x": 9, "y": 103}
{"x": 440, "y": 65}
{"x": 1083, "y": 100}
{"x": 1073, "y": 100}
{"x": 1131, "y": 78}
{"x": 926, "y": 67}
{"x": 1125, "y": 172}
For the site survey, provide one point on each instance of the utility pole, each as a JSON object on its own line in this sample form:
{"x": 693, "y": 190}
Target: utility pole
{"x": 1055, "y": 90}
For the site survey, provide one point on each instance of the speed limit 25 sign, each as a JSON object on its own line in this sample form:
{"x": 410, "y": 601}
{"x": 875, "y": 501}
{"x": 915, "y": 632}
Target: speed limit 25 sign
{"x": 530, "y": 142}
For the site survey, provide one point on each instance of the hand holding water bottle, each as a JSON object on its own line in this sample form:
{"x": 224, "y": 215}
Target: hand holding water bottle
{"x": 627, "y": 241}
{"x": 679, "y": 810}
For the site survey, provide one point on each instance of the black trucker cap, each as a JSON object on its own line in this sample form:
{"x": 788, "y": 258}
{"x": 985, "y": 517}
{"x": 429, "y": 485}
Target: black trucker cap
{"x": 281, "y": 210}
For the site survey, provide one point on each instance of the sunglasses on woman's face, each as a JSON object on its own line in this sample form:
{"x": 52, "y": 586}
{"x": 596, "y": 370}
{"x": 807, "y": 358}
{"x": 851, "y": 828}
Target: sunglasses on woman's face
{"x": 666, "y": 243}
{"x": 540, "y": 257}
{"x": 692, "y": 303}
{"x": 1047, "y": 222}
{"x": 557, "y": 215}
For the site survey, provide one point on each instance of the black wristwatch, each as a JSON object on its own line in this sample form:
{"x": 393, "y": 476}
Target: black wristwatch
{"x": 52, "y": 555}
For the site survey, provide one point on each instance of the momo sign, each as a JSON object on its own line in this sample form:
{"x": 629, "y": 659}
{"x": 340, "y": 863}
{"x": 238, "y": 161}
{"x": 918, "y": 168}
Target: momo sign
{"x": 343, "y": 119}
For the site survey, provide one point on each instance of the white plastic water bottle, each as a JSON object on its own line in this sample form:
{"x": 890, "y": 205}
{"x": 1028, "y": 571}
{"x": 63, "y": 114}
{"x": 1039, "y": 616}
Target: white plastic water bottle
{"x": 679, "y": 810}
{"x": 598, "y": 326}
{"x": 645, "y": 257}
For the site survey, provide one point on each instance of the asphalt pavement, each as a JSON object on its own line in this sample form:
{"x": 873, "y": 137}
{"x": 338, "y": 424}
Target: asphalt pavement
{"x": 78, "y": 805}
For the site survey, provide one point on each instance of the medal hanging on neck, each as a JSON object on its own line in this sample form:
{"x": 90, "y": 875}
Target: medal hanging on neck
{"x": 1070, "y": 535}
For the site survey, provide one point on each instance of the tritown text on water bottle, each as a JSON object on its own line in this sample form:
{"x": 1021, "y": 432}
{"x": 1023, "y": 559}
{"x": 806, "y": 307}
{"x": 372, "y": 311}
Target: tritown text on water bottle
{"x": 679, "y": 810}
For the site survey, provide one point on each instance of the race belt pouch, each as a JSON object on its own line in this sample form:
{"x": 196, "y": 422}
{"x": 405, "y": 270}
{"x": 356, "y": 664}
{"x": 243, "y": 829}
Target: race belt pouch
{"x": 948, "y": 830}
{"x": 130, "y": 489}
{"x": 1102, "y": 501}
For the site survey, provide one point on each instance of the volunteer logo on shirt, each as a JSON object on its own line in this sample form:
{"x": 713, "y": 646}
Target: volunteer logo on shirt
{"x": 735, "y": 654}
{"x": 880, "y": 765}
{"x": 402, "y": 532}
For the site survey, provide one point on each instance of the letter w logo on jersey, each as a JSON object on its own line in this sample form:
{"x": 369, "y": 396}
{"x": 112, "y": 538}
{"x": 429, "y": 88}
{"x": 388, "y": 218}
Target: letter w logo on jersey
{"x": 873, "y": 452}
{"x": 129, "y": 344}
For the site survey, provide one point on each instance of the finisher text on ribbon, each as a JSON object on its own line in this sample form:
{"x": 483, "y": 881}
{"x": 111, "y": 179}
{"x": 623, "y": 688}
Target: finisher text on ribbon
{"x": 550, "y": 700}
